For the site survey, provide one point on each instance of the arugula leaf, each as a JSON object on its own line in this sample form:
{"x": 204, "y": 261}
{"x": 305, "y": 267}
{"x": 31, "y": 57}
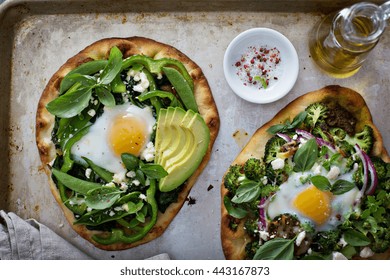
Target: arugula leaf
{"x": 102, "y": 198}
{"x": 71, "y": 103}
{"x": 113, "y": 66}
{"x": 276, "y": 249}
{"x": 235, "y": 212}
{"x": 248, "y": 191}
{"x": 306, "y": 156}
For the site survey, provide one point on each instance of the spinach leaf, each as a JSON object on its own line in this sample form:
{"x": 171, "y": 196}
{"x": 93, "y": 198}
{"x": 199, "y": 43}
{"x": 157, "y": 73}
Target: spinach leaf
{"x": 130, "y": 161}
{"x": 247, "y": 192}
{"x": 306, "y": 156}
{"x": 276, "y": 249}
{"x": 235, "y": 212}
{"x": 153, "y": 171}
{"x": 75, "y": 184}
{"x": 105, "y": 96}
{"x": 355, "y": 238}
{"x": 112, "y": 68}
{"x": 71, "y": 103}
{"x": 102, "y": 198}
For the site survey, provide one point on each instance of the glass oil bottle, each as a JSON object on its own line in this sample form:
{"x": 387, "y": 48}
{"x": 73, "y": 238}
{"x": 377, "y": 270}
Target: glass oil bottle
{"x": 341, "y": 42}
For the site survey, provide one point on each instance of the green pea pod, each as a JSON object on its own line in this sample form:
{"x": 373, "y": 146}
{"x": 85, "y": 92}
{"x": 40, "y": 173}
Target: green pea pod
{"x": 182, "y": 87}
{"x": 117, "y": 235}
{"x": 75, "y": 184}
{"x": 88, "y": 68}
{"x": 101, "y": 172}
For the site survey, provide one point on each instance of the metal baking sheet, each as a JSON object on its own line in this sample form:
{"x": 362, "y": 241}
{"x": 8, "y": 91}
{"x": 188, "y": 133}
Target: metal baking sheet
{"x": 37, "y": 37}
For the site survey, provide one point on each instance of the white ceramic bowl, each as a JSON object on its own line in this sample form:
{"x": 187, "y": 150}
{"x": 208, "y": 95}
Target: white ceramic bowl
{"x": 288, "y": 67}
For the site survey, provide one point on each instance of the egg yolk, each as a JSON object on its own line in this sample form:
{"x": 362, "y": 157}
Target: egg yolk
{"x": 127, "y": 135}
{"x": 314, "y": 204}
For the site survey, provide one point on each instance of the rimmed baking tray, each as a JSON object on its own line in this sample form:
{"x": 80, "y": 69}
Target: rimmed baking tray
{"x": 37, "y": 37}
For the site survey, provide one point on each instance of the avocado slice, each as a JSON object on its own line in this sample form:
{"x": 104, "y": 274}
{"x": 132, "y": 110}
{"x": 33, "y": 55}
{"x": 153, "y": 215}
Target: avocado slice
{"x": 182, "y": 139}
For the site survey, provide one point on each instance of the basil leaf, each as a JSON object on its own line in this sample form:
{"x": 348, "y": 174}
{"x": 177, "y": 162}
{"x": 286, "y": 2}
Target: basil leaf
{"x": 306, "y": 156}
{"x": 248, "y": 191}
{"x": 342, "y": 186}
{"x": 355, "y": 238}
{"x": 153, "y": 171}
{"x": 130, "y": 161}
{"x": 83, "y": 80}
{"x": 235, "y": 212}
{"x": 112, "y": 68}
{"x": 103, "y": 173}
{"x": 298, "y": 119}
{"x": 140, "y": 176}
{"x": 75, "y": 184}
{"x": 321, "y": 182}
{"x": 276, "y": 249}
{"x": 105, "y": 96}
{"x": 70, "y": 104}
{"x": 276, "y": 128}
{"x": 102, "y": 198}
{"x": 88, "y": 68}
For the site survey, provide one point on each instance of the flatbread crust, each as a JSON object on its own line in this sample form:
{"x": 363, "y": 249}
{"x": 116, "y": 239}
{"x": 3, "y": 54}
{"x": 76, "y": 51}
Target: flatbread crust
{"x": 233, "y": 243}
{"x": 128, "y": 46}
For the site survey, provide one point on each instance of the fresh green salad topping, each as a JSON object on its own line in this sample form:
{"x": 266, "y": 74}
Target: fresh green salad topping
{"x": 317, "y": 193}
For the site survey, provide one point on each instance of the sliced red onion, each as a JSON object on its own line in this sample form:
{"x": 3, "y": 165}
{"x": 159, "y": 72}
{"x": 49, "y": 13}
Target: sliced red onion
{"x": 262, "y": 219}
{"x": 285, "y": 137}
{"x": 360, "y": 153}
{"x": 374, "y": 177}
{"x": 305, "y": 134}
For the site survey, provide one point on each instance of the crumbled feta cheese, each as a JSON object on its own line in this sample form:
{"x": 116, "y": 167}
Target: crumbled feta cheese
{"x": 119, "y": 177}
{"x": 264, "y": 235}
{"x": 316, "y": 169}
{"x": 277, "y": 164}
{"x": 149, "y": 152}
{"x": 136, "y": 182}
{"x": 123, "y": 187}
{"x": 125, "y": 207}
{"x": 143, "y": 82}
{"x": 295, "y": 137}
{"x": 366, "y": 252}
{"x": 333, "y": 173}
{"x": 264, "y": 180}
{"x": 91, "y": 112}
{"x": 89, "y": 209}
{"x": 159, "y": 76}
{"x": 130, "y": 174}
{"x": 147, "y": 182}
{"x": 342, "y": 242}
{"x": 301, "y": 236}
{"x": 88, "y": 172}
{"x": 142, "y": 196}
{"x": 338, "y": 256}
{"x": 118, "y": 208}
{"x": 112, "y": 213}
{"x": 111, "y": 184}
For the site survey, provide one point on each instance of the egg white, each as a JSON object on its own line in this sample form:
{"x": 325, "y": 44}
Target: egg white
{"x": 341, "y": 205}
{"x": 95, "y": 146}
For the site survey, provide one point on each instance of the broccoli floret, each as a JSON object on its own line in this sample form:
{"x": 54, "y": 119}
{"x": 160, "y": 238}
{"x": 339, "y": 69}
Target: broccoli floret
{"x": 380, "y": 246}
{"x": 272, "y": 148}
{"x": 326, "y": 241}
{"x": 338, "y": 134}
{"x": 358, "y": 176}
{"x": 254, "y": 169}
{"x": 364, "y": 138}
{"x": 386, "y": 185}
{"x": 380, "y": 168}
{"x": 316, "y": 112}
{"x": 232, "y": 178}
{"x": 319, "y": 131}
{"x": 252, "y": 227}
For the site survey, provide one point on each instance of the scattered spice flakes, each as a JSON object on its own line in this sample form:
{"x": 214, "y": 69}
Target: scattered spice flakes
{"x": 190, "y": 200}
{"x": 259, "y": 66}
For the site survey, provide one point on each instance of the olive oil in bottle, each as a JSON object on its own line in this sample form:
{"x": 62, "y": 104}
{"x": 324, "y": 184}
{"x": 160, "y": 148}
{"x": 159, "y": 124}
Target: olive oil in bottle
{"x": 341, "y": 42}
